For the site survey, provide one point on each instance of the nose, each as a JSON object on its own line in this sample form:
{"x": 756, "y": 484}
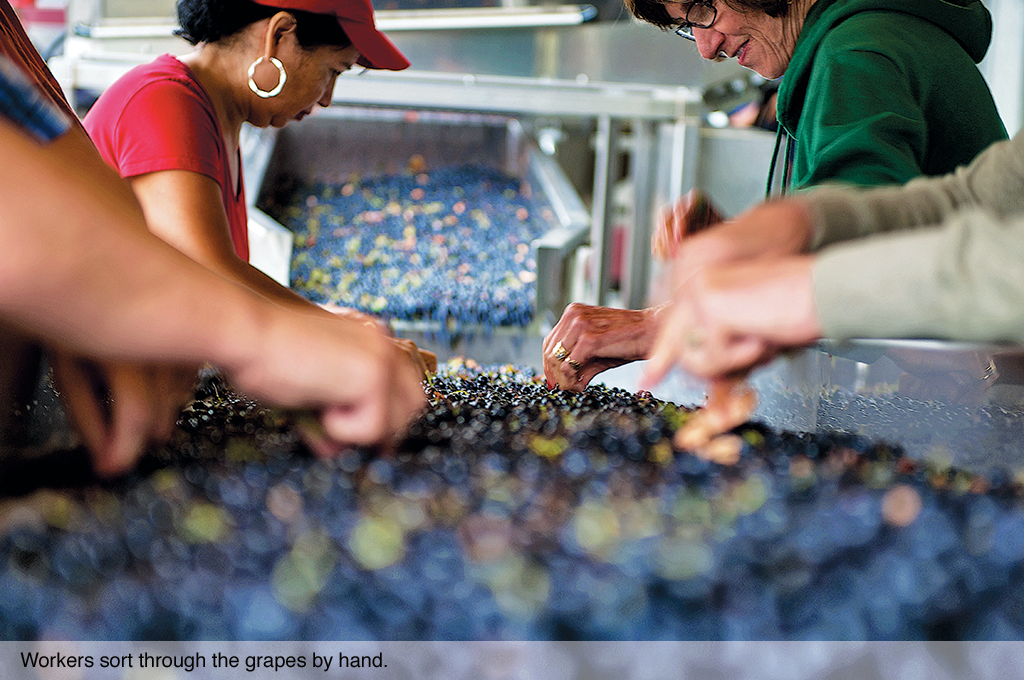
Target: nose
{"x": 709, "y": 42}
{"x": 325, "y": 100}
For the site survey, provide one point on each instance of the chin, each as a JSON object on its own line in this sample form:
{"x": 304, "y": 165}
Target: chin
{"x": 767, "y": 73}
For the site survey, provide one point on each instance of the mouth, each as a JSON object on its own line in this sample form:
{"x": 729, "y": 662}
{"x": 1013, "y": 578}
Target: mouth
{"x": 741, "y": 53}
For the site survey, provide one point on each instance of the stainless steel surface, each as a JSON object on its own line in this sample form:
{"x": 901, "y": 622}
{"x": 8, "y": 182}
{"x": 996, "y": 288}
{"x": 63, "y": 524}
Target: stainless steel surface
{"x": 137, "y": 8}
{"x": 514, "y": 94}
{"x": 945, "y": 403}
{"x": 541, "y": 40}
{"x": 634, "y": 285}
{"x": 732, "y": 167}
{"x": 336, "y": 142}
{"x": 607, "y": 51}
{"x": 605, "y": 145}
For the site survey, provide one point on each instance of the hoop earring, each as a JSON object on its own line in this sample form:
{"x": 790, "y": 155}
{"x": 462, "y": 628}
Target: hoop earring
{"x": 282, "y": 78}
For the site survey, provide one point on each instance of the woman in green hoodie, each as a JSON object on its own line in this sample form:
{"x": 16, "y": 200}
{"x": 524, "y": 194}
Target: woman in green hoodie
{"x": 874, "y": 92}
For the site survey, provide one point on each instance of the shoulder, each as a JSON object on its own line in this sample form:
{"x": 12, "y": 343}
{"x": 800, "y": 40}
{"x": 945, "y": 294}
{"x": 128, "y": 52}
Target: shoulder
{"x": 156, "y": 117}
{"x": 166, "y": 75}
{"x": 887, "y": 32}
{"x": 162, "y": 90}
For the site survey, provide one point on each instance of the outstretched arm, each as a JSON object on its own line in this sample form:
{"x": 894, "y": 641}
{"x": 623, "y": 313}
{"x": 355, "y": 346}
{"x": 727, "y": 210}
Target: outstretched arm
{"x": 80, "y": 271}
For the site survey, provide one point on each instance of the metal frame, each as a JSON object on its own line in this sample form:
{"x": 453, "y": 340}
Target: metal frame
{"x": 656, "y": 125}
{"x": 663, "y": 125}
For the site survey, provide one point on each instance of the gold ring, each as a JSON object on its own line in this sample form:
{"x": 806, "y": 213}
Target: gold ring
{"x": 560, "y": 352}
{"x": 694, "y": 339}
{"x": 575, "y": 364}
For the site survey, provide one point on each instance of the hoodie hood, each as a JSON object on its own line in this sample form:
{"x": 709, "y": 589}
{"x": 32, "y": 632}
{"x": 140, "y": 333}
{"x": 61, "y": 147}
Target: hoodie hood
{"x": 968, "y": 22}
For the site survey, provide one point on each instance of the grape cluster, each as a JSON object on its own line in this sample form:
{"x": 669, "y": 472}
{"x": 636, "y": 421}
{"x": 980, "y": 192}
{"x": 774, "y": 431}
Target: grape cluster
{"x": 511, "y": 511}
{"x": 451, "y": 245}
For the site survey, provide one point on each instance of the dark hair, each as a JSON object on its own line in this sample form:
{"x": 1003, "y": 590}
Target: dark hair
{"x": 212, "y": 20}
{"x": 654, "y": 12}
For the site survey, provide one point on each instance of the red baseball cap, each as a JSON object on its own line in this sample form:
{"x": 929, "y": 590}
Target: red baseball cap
{"x": 356, "y": 18}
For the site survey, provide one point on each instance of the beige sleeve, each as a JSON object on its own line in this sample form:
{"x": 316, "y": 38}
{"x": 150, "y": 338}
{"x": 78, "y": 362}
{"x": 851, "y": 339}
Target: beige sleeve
{"x": 994, "y": 182}
{"x": 963, "y": 280}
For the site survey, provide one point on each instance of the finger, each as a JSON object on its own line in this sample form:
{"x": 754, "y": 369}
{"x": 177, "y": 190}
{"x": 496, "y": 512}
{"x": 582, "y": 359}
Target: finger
{"x": 724, "y": 449}
{"x": 743, "y": 355}
{"x": 663, "y": 359}
{"x": 354, "y": 425}
{"x": 178, "y": 388}
{"x": 584, "y": 376}
{"x": 694, "y": 434}
{"x": 730, "y": 403}
{"x": 381, "y": 412}
{"x": 132, "y": 421}
{"x": 81, "y": 400}
{"x": 429, "y": 360}
{"x": 311, "y": 430}
{"x": 411, "y": 352}
{"x": 556, "y": 370}
{"x": 565, "y": 375}
{"x": 409, "y": 402}
{"x": 680, "y": 224}
{"x": 716, "y": 358}
{"x": 660, "y": 239}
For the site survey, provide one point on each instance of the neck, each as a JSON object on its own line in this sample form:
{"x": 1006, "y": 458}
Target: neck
{"x": 797, "y": 15}
{"x": 223, "y": 76}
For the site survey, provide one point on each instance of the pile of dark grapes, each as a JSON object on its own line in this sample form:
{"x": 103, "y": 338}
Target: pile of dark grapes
{"x": 511, "y": 511}
{"x": 450, "y": 245}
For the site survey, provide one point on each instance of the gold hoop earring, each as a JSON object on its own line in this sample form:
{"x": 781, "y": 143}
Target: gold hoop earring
{"x": 282, "y": 78}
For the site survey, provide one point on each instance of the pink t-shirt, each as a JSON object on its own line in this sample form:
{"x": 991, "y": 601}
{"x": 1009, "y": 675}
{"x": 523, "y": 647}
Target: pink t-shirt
{"x": 158, "y": 117}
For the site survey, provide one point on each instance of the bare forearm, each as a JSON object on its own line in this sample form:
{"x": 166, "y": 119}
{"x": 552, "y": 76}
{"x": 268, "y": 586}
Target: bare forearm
{"x": 258, "y": 281}
{"x": 81, "y": 270}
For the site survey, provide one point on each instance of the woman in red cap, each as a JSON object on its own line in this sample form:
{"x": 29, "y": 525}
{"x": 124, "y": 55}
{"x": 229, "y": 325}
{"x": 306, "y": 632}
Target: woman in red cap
{"x": 171, "y": 127}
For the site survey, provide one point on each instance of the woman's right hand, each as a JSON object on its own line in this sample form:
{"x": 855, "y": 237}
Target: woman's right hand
{"x": 359, "y": 383}
{"x": 769, "y": 230}
{"x": 424, "y": 360}
{"x": 689, "y": 215}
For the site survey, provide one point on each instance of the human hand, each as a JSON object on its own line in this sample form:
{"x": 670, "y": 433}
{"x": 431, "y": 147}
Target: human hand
{"x": 356, "y": 381}
{"x": 730, "y": 318}
{"x": 588, "y": 340}
{"x": 770, "y": 230}
{"x": 118, "y": 408}
{"x": 730, "y": 403}
{"x": 353, "y": 314}
{"x": 690, "y": 214}
{"x": 423, "y": 360}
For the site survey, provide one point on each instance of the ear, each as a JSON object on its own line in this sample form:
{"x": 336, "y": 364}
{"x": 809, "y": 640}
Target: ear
{"x": 279, "y": 26}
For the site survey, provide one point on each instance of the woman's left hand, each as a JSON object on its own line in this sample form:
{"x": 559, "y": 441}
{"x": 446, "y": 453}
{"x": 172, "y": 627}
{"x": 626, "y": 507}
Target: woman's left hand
{"x": 589, "y": 339}
{"x": 731, "y": 318}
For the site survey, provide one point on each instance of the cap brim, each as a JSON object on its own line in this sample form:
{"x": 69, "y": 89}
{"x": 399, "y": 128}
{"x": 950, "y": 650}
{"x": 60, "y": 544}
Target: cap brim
{"x": 375, "y": 49}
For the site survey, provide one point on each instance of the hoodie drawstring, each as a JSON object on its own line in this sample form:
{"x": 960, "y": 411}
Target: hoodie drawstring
{"x": 787, "y": 163}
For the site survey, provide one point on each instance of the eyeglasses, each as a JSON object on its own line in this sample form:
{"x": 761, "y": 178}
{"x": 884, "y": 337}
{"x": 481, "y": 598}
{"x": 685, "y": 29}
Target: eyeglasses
{"x": 701, "y": 14}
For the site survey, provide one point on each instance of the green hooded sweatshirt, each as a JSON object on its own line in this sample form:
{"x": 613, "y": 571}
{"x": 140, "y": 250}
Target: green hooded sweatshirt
{"x": 882, "y": 91}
